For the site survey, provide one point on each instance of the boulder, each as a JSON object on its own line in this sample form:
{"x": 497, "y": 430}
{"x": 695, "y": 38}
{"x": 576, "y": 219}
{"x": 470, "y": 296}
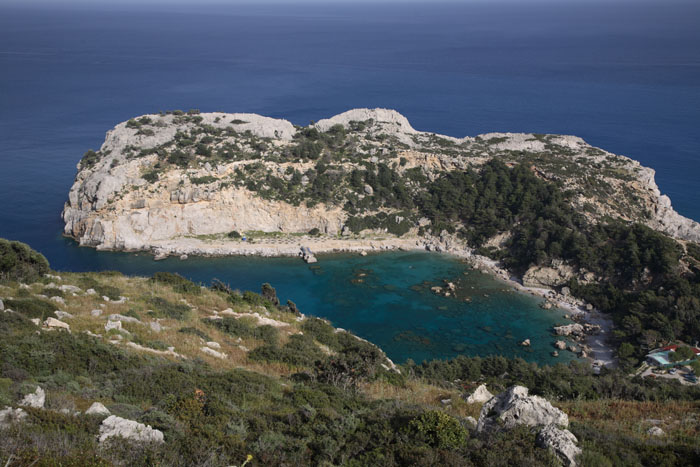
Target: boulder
{"x": 96, "y": 313}
{"x": 35, "y": 399}
{"x": 515, "y": 407}
{"x": 53, "y": 323}
{"x": 9, "y": 416}
{"x": 368, "y": 190}
{"x": 62, "y": 314}
{"x": 97, "y": 409}
{"x": 480, "y": 395}
{"x": 561, "y": 442}
{"x": 70, "y": 289}
{"x": 525, "y": 343}
{"x": 561, "y": 345}
{"x": 547, "y": 277}
{"x": 655, "y": 431}
{"x": 574, "y": 329}
{"x": 117, "y": 427}
{"x": 471, "y": 422}
{"x": 59, "y": 300}
{"x": 213, "y": 353}
{"x": 126, "y": 319}
{"x": 155, "y": 326}
{"x": 113, "y": 325}
{"x": 2, "y": 305}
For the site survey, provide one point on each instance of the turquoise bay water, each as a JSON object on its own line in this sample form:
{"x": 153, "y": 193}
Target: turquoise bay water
{"x": 384, "y": 298}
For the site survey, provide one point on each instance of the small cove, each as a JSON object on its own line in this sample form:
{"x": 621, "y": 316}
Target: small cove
{"x": 384, "y": 298}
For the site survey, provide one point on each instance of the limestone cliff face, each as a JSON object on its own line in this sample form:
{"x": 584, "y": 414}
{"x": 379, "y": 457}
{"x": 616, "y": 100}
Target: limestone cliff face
{"x": 163, "y": 177}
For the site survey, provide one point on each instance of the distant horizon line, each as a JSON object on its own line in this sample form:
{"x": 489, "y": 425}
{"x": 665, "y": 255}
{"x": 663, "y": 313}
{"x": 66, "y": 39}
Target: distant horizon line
{"x": 219, "y": 3}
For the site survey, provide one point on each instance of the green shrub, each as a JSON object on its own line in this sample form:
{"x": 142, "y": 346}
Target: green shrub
{"x": 18, "y": 262}
{"x": 32, "y": 307}
{"x": 300, "y": 350}
{"x": 195, "y": 332}
{"x": 241, "y": 328}
{"x": 52, "y": 292}
{"x": 179, "y": 158}
{"x": 314, "y": 231}
{"x": 90, "y": 158}
{"x": 439, "y": 430}
{"x": 203, "y": 180}
{"x": 113, "y": 293}
{"x": 178, "y": 283}
{"x": 321, "y": 331}
{"x": 234, "y": 234}
{"x": 151, "y": 176}
{"x": 157, "y": 345}
{"x": 163, "y": 308}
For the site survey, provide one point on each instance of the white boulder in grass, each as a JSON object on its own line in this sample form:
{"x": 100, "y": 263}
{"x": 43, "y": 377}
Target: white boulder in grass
{"x": 117, "y": 427}
{"x": 515, "y": 407}
{"x": 480, "y": 395}
{"x": 213, "y": 353}
{"x": 113, "y": 325}
{"x": 561, "y": 442}
{"x": 97, "y": 408}
{"x": 53, "y": 323}
{"x": 35, "y": 399}
{"x": 58, "y": 300}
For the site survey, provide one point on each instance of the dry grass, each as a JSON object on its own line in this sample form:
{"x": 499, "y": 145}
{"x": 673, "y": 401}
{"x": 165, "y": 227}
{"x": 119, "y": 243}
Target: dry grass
{"x": 679, "y": 419}
{"x": 138, "y": 290}
{"x": 418, "y": 393}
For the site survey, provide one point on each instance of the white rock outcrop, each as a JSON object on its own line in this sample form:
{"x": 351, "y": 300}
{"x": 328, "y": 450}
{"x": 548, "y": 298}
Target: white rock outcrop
{"x": 35, "y": 399}
{"x": 515, "y": 407}
{"x": 117, "y": 427}
{"x": 125, "y": 319}
{"x": 214, "y": 353}
{"x": 480, "y": 395}
{"x": 549, "y": 277}
{"x": 97, "y": 408}
{"x": 53, "y": 323}
{"x": 113, "y": 325}
{"x": 561, "y": 442}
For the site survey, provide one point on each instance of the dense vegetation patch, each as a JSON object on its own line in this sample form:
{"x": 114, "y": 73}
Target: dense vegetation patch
{"x": 18, "y": 262}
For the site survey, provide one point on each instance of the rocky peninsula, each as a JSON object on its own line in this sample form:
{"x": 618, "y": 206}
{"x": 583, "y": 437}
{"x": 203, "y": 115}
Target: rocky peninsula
{"x": 180, "y": 183}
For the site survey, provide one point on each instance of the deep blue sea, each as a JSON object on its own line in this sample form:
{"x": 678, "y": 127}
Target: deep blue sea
{"x": 624, "y": 76}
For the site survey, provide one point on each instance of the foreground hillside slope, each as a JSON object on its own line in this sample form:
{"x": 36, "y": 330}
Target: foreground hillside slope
{"x": 103, "y": 369}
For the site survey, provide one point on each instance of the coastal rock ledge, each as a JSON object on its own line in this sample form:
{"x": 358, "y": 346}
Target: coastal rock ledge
{"x": 179, "y": 183}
